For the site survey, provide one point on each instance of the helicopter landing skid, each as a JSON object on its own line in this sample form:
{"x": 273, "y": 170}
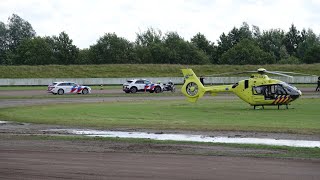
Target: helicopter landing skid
{"x": 254, "y": 106}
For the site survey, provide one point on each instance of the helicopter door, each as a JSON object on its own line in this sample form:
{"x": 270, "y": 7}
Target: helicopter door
{"x": 257, "y": 92}
{"x": 266, "y": 92}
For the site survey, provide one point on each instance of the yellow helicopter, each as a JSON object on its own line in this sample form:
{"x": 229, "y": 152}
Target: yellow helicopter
{"x": 258, "y": 90}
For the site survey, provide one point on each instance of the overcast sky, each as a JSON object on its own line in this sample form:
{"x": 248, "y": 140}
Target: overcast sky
{"x": 85, "y": 21}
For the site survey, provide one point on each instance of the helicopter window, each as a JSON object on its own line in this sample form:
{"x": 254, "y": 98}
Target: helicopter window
{"x": 246, "y": 84}
{"x": 273, "y": 89}
{"x": 268, "y": 92}
{"x": 290, "y": 89}
{"x": 258, "y": 90}
{"x": 277, "y": 89}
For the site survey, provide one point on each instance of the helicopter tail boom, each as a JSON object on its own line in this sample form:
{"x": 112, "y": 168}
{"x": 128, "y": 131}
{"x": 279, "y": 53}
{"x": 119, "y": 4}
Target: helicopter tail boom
{"x": 194, "y": 89}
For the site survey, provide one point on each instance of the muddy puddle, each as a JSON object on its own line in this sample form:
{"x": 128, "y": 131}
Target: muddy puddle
{"x": 192, "y": 138}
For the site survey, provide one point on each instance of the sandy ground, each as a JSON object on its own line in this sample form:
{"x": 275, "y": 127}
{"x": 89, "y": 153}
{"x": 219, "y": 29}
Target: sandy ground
{"x": 22, "y": 158}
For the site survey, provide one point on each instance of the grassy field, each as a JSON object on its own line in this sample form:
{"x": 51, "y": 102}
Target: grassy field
{"x": 139, "y": 70}
{"x": 205, "y": 115}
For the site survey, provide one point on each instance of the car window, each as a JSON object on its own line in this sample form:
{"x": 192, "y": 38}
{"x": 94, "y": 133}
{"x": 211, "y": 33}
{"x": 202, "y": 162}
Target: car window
{"x": 147, "y": 82}
{"x": 139, "y": 82}
{"x": 64, "y": 84}
{"x": 129, "y": 82}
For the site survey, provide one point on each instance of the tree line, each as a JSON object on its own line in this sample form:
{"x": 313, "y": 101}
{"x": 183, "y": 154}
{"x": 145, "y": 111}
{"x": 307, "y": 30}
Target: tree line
{"x": 19, "y": 45}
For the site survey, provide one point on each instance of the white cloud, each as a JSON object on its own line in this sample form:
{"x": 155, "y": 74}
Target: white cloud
{"x": 85, "y": 21}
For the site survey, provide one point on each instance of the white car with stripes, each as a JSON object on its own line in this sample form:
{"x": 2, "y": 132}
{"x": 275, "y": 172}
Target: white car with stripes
{"x": 142, "y": 85}
{"x": 68, "y": 88}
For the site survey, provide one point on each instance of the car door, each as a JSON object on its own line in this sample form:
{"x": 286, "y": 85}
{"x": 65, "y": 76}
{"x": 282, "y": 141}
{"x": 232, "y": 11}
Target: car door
{"x": 140, "y": 84}
{"x": 68, "y": 87}
{"x": 73, "y": 87}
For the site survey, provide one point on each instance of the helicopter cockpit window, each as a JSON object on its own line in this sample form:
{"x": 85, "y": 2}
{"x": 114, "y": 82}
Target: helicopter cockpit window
{"x": 290, "y": 89}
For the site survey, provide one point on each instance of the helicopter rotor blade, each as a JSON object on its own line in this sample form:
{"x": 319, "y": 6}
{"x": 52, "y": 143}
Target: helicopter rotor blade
{"x": 229, "y": 73}
{"x": 281, "y": 73}
{"x": 278, "y": 73}
{"x": 284, "y": 72}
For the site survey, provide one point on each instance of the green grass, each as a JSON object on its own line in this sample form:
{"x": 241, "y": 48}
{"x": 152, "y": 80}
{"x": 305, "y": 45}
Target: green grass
{"x": 205, "y": 115}
{"x": 138, "y": 70}
{"x": 279, "y": 151}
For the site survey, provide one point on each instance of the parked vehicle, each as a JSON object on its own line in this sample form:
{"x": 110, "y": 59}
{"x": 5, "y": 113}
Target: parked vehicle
{"x": 169, "y": 87}
{"x": 68, "y": 88}
{"x": 142, "y": 85}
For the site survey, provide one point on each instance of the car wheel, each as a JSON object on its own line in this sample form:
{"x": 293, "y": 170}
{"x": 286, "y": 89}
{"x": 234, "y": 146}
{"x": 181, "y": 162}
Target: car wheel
{"x": 133, "y": 90}
{"x": 157, "y": 89}
{"x": 60, "y": 91}
{"x": 85, "y": 91}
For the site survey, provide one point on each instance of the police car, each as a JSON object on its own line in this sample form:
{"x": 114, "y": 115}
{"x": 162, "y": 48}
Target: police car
{"x": 68, "y": 88}
{"x": 142, "y": 85}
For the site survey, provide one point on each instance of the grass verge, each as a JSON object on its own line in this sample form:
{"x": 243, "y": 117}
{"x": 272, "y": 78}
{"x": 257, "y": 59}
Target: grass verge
{"x": 139, "y": 70}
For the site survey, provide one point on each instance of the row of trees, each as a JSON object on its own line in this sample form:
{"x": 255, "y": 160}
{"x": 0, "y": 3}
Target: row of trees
{"x": 19, "y": 45}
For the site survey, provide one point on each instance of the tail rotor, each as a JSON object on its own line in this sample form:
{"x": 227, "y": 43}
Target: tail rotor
{"x": 192, "y": 87}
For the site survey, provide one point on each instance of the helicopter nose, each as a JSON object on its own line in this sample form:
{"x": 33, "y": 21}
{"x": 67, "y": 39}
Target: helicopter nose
{"x": 296, "y": 95}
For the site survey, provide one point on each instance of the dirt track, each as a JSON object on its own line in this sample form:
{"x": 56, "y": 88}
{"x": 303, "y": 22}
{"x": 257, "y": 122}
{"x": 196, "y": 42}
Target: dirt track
{"x": 64, "y": 159}
{"x": 57, "y": 159}
{"x": 22, "y": 163}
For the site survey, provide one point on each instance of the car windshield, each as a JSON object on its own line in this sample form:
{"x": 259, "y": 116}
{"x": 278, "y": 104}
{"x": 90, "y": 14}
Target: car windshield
{"x": 129, "y": 82}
